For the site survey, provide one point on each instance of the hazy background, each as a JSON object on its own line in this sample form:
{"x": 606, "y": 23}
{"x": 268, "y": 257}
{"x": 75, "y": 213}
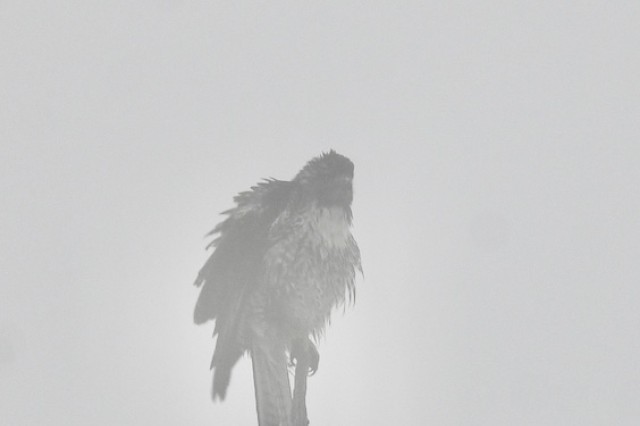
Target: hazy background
{"x": 497, "y": 204}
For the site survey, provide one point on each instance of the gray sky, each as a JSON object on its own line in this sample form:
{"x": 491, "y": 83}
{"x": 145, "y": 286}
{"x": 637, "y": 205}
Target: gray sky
{"x": 496, "y": 206}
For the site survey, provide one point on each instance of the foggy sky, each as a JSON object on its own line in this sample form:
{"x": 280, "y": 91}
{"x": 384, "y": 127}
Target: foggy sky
{"x": 496, "y": 204}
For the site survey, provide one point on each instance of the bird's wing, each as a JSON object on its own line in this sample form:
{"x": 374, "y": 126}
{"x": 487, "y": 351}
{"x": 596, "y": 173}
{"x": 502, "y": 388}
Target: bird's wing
{"x": 234, "y": 270}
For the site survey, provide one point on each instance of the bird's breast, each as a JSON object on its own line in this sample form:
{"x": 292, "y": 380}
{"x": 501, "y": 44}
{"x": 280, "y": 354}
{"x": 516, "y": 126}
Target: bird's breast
{"x": 311, "y": 268}
{"x": 328, "y": 226}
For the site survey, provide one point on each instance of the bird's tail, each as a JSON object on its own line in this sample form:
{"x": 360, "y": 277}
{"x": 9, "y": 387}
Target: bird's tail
{"x": 224, "y": 358}
{"x": 271, "y": 382}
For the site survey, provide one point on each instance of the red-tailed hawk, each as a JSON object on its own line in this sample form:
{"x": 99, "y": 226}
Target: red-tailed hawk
{"x": 282, "y": 260}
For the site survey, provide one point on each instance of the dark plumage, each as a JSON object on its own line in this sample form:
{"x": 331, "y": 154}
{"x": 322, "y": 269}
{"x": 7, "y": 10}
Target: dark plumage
{"x": 282, "y": 260}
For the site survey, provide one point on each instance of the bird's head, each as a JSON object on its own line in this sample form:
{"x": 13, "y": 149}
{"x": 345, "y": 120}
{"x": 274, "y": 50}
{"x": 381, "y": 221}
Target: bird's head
{"x": 327, "y": 180}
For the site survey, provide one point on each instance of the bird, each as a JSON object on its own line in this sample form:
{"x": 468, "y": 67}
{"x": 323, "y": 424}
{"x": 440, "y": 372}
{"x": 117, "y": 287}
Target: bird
{"x": 283, "y": 260}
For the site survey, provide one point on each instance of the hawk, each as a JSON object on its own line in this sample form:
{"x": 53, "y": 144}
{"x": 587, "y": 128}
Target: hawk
{"x": 283, "y": 259}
